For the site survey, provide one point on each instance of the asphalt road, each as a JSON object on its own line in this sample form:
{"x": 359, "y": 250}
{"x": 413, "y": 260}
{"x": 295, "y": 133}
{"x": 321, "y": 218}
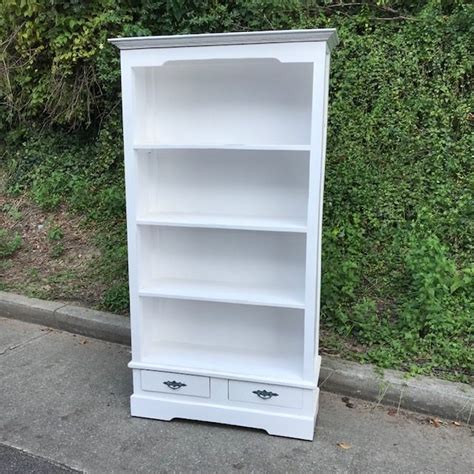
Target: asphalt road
{"x": 16, "y": 461}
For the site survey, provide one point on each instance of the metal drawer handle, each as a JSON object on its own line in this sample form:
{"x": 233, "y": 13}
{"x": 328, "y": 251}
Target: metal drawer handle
{"x": 174, "y": 385}
{"x": 264, "y": 394}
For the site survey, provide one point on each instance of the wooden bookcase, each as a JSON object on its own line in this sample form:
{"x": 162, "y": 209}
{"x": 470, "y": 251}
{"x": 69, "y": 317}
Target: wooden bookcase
{"x": 224, "y": 158}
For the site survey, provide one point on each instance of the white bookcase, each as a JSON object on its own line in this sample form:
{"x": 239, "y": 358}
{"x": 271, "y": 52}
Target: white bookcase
{"x": 224, "y": 151}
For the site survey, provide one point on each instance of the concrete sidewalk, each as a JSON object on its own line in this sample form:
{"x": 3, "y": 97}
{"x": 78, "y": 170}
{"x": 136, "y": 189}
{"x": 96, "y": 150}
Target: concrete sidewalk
{"x": 64, "y": 398}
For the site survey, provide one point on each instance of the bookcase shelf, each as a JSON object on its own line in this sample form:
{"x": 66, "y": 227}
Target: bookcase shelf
{"x": 224, "y": 188}
{"x": 216, "y": 221}
{"x": 223, "y": 265}
{"x": 250, "y": 363}
{"x": 210, "y": 146}
{"x": 223, "y": 292}
{"x": 224, "y": 139}
{"x": 257, "y": 338}
{"x": 252, "y": 101}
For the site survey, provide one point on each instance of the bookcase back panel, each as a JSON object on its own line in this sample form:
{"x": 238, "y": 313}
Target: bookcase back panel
{"x": 247, "y": 101}
{"x": 224, "y": 182}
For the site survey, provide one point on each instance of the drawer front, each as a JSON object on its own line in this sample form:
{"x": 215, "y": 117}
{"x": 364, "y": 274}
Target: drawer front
{"x": 179, "y": 384}
{"x": 263, "y": 394}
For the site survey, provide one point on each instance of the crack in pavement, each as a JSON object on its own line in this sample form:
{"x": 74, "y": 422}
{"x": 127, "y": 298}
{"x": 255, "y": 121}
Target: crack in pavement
{"x": 60, "y": 307}
{"x": 24, "y": 343}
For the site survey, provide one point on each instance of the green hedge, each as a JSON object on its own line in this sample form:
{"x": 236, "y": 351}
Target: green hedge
{"x": 398, "y": 276}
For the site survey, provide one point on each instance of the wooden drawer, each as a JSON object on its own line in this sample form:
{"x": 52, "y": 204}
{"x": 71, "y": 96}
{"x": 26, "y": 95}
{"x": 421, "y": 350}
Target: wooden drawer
{"x": 179, "y": 384}
{"x": 263, "y": 394}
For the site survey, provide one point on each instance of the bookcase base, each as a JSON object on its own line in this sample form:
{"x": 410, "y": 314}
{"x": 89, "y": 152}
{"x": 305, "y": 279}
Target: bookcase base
{"x": 290, "y": 425}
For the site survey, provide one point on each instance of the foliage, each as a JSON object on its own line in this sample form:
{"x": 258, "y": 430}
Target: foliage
{"x": 55, "y": 233}
{"x": 398, "y": 220}
{"x": 10, "y": 242}
{"x": 12, "y": 212}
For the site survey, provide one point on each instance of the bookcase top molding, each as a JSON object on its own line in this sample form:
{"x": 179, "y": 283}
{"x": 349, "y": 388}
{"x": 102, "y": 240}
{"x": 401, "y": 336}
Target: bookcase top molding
{"x": 328, "y": 35}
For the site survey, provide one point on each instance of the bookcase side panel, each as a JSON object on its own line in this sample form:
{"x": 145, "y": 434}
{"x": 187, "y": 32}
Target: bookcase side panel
{"x": 315, "y": 197}
{"x": 321, "y": 196}
{"x": 131, "y": 185}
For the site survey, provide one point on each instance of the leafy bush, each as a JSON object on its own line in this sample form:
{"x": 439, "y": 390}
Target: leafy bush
{"x": 398, "y": 221}
{"x": 10, "y": 242}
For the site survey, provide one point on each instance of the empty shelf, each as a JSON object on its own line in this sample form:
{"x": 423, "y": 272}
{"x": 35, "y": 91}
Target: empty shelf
{"x": 224, "y": 222}
{"x": 224, "y": 360}
{"x": 217, "y": 146}
{"x": 223, "y": 292}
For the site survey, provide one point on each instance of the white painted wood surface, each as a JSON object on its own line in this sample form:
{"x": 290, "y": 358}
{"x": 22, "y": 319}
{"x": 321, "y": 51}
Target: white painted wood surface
{"x": 327, "y": 35}
{"x": 177, "y": 384}
{"x": 224, "y": 139}
{"x": 267, "y": 395}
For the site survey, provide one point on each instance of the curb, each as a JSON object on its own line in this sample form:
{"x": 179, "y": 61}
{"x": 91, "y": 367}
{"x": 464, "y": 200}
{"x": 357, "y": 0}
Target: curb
{"x": 66, "y": 317}
{"x": 454, "y": 401}
{"x": 429, "y": 395}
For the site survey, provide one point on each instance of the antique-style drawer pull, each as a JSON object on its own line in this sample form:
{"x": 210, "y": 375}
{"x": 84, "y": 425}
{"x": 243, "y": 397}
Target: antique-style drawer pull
{"x": 264, "y": 394}
{"x": 174, "y": 385}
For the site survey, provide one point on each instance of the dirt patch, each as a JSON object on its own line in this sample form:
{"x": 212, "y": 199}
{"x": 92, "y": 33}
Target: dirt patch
{"x": 334, "y": 345}
{"x": 56, "y": 258}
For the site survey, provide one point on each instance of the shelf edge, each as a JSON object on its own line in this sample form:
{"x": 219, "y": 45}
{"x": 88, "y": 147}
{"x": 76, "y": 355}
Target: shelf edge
{"x": 215, "y": 146}
{"x": 163, "y": 223}
{"x": 224, "y": 375}
{"x": 157, "y": 294}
